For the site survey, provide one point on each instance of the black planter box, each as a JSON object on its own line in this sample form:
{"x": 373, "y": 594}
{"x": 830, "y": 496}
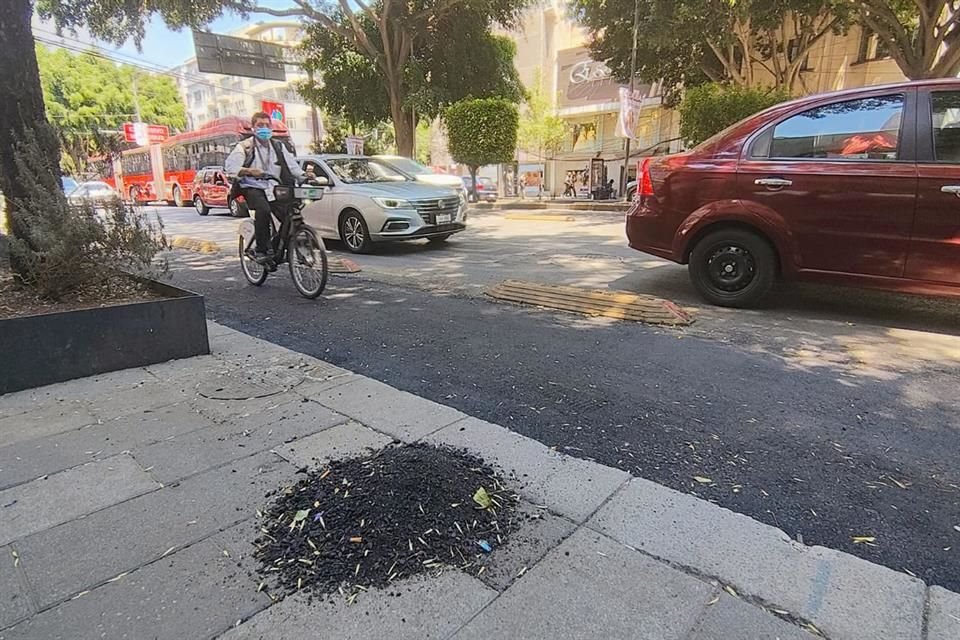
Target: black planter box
{"x": 53, "y": 347}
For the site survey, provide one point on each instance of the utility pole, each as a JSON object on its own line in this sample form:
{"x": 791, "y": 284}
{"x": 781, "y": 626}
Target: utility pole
{"x": 314, "y": 117}
{"x": 633, "y": 83}
{"x": 136, "y": 99}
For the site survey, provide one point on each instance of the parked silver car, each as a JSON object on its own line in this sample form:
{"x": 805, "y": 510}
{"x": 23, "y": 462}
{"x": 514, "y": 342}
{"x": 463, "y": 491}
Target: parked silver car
{"x": 366, "y": 201}
{"x": 420, "y": 173}
{"x": 94, "y": 192}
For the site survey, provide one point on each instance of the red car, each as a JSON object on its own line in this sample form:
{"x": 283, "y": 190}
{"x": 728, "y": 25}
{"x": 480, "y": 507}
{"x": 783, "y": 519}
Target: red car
{"x": 211, "y": 190}
{"x": 486, "y": 189}
{"x": 858, "y": 187}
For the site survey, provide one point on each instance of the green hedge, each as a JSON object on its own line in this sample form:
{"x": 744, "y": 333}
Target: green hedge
{"x": 711, "y": 108}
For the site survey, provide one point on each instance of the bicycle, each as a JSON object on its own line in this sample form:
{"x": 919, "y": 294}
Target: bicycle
{"x": 295, "y": 243}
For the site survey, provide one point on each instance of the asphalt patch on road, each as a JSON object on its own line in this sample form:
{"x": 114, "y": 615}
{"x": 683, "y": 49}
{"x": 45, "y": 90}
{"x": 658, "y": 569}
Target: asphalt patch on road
{"x": 371, "y": 521}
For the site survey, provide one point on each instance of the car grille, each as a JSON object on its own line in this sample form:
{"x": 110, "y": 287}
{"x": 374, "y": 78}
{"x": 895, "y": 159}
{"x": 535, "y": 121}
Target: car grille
{"x": 428, "y": 209}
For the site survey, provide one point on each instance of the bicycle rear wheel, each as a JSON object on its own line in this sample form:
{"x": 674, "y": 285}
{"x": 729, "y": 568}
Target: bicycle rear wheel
{"x": 307, "y": 259}
{"x": 254, "y": 272}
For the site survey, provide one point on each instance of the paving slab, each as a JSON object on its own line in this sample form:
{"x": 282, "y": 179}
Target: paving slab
{"x": 539, "y": 532}
{"x": 943, "y": 615}
{"x": 198, "y": 592}
{"x": 231, "y": 410}
{"x": 31, "y": 459}
{"x": 139, "y": 531}
{"x": 569, "y": 486}
{"x": 845, "y": 597}
{"x": 15, "y": 605}
{"x": 82, "y": 389}
{"x": 61, "y": 497}
{"x": 47, "y": 418}
{"x": 183, "y": 455}
{"x": 243, "y": 349}
{"x": 402, "y": 415}
{"x": 413, "y": 609}
{"x": 731, "y": 618}
{"x": 346, "y": 440}
{"x": 593, "y": 587}
{"x": 18, "y": 402}
{"x": 149, "y": 394}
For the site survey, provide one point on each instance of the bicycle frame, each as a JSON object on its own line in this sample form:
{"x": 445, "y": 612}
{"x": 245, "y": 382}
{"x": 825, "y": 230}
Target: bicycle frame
{"x": 288, "y": 213}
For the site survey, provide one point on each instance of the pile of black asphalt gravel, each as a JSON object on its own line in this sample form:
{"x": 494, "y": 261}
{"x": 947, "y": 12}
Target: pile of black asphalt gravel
{"x": 370, "y": 521}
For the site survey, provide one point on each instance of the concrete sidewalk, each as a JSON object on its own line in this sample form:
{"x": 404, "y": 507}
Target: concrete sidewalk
{"x": 128, "y": 510}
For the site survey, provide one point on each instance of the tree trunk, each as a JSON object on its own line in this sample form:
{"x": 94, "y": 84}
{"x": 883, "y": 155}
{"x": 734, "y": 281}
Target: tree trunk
{"x": 21, "y": 97}
{"x": 473, "y": 182}
{"x": 21, "y": 101}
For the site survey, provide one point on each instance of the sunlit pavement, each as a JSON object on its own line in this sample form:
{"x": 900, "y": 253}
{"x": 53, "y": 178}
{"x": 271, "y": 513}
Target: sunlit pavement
{"x": 853, "y": 331}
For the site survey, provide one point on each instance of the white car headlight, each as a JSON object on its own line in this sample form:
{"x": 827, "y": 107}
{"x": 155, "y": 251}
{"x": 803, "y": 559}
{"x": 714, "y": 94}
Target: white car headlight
{"x": 392, "y": 203}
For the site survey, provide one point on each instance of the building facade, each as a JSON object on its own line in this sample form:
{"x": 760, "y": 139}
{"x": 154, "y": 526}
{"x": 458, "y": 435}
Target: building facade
{"x": 209, "y": 96}
{"x": 553, "y": 49}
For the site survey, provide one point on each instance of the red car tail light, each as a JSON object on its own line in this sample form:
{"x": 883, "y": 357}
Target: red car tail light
{"x": 644, "y": 184}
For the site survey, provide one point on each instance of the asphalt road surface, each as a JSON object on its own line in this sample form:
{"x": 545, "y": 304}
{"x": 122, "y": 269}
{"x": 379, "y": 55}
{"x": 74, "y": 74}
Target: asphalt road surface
{"x": 831, "y": 416}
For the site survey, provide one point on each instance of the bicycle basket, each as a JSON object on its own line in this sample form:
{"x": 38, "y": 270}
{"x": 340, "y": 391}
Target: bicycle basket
{"x": 283, "y": 193}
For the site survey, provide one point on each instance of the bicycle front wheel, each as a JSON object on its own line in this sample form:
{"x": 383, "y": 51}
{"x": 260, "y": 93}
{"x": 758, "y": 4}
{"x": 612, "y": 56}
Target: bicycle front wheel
{"x": 307, "y": 259}
{"x": 256, "y": 274}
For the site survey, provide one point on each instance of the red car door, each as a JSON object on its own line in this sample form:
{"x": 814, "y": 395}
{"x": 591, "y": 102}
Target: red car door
{"x": 841, "y": 178}
{"x": 219, "y": 190}
{"x": 935, "y": 248}
{"x": 205, "y": 187}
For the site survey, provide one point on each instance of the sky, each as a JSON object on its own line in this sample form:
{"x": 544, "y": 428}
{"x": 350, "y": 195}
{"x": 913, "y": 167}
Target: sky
{"x": 163, "y": 46}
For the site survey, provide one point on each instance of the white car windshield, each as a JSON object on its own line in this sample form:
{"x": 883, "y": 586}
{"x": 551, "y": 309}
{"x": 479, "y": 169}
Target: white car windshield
{"x": 363, "y": 170}
{"x": 408, "y": 166}
{"x": 96, "y": 187}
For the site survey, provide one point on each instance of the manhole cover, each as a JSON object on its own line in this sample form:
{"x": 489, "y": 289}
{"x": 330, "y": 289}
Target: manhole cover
{"x": 245, "y": 384}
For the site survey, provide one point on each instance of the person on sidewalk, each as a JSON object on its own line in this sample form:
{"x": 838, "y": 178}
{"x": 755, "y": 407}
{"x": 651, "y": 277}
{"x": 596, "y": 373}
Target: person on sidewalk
{"x": 250, "y": 164}
{"x": 523, "y": 186}
{"x": 568, "y": 189}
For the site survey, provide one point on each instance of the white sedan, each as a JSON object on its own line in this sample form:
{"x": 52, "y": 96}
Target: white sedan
{"x": 366, "y": 202}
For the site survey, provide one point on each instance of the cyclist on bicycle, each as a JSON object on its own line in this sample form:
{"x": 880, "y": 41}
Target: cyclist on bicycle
{"x": 251, "y": 163}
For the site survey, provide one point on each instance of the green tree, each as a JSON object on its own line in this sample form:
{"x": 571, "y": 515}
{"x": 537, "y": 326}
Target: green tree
{"x": 711, "y": 108}
{"x": 376, "y": 139}
{"x": 88, "y": 99}
{"x": 541, "y": 132}
{"x": 348, "y": 85}
{"x": 922, "y": 36}
{"x": 461, "y": 59}
{"x": 480, "y": 132}
{"x": 689, "y": 42}
{"x": 402, "y": 27}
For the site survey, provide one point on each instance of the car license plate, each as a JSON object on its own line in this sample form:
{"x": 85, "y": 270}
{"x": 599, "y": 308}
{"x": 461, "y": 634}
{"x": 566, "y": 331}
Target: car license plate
{"x": 444, "y": 218}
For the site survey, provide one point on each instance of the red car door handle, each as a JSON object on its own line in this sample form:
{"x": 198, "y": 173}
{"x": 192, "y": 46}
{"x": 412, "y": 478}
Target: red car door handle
{"x": 772, "y": 182}
{"x": 951, "y": 188}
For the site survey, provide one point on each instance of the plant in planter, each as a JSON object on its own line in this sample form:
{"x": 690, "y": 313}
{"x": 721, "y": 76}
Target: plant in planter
{"x": 59, "y": 250}
{"x": 78, "y": 298}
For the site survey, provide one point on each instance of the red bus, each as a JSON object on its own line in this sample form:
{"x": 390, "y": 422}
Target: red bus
{"x": 137, "y": 171}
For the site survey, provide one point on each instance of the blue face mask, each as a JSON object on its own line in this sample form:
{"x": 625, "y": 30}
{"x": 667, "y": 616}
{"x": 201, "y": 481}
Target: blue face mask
{"x": 263, "y": 133}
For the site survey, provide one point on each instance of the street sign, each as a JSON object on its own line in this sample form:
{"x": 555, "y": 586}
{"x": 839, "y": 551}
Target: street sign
{"x": 144, "y": 134}
{"x": 238, "y": 57}
{"x": 275, "y": 110}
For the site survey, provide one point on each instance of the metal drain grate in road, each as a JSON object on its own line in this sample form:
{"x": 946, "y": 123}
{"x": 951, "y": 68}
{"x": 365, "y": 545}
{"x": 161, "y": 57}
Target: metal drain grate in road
{"x": 621, "y": 305}
{"x": 247, "y": 384}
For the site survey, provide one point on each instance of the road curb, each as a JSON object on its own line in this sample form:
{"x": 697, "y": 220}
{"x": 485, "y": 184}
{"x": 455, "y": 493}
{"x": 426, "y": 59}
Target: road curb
{"x": 195, "y": 244}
